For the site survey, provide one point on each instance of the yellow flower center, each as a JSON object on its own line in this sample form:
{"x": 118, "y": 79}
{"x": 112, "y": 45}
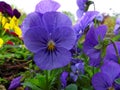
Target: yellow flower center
{"x": 51, "y": 45}
{"x": 111, "y": 88}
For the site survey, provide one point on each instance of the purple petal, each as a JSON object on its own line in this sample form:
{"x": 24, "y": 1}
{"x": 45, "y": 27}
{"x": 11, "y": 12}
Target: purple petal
{"x": 118, "y": 20}
{"x": 63, "y": 78}
{"x": 112, "y": 69}
{"x": 53, "y": 20}
{"x": 47, "y": 60}
{"x": 64, "y": 37}
{"x": 80, "y": 67}
{"x": 95, "y": 59}
{"x": 117, "y": 29}
{"x": 36, "y": 38}
{"x": 100, "y": 17}
{"x": 32, "y": 20}
{"x": 15, "y": 83}
{"x": 16, "y": 13}
{"x": 101, "y": 81}
{"x": 86, "y": 19}
{"x": 5, "y": 8}
{"x": 73, "y": 68}
{"x": 111, "y": 53}
{"x": 81, "y": 4}
{"x": 73, "y": 76}
{"x": 47, "y": 6}
{"x": 79, "y": 13}
{"x": 90, "y": 41}
{"x": 101, "y": 32}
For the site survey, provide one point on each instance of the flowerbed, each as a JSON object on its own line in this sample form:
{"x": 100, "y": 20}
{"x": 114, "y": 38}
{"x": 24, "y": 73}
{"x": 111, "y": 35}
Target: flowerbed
{"x": 48, "y": 52}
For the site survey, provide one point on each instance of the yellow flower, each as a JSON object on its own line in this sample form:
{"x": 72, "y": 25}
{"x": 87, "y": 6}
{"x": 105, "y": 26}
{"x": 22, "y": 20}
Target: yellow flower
{"x": 13, "y": 25}
{"x": 1, "y": 42}
{"x": 3, "y": 20}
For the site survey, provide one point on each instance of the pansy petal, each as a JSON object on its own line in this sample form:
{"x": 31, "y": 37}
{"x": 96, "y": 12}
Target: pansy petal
{"x": 73, "y": 76}
{"x": 32, "y": 20}
{"x": 101, "y": 81}
{"x": 47, "y": 6}
{"x": 79, "y": 13}
{"x": 90, "y": 41}
{"x": 86, "y": 19}
{"x": 117, "y": 29}
{"x": 95, "y": 59}
{"x": 112, "y": 69}
{"x": 47, "y": 60}
{"x": 111, "y": 53}
{"x": 36, "y": 38}
{"x": 15, "y": 83}
{"x": 101, "y": 32}
{"x": 63, "y": 78}
{"x": 64, "y": 37}
{"x": 53, "y": 20}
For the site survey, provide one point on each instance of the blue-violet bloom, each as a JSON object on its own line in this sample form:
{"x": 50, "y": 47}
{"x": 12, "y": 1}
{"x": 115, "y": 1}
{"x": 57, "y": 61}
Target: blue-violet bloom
{"x": 105, "y": 80}
{"x": 77, "y": 69}
{"x": 93, "y": 38}
{"x": 50, "y": 36}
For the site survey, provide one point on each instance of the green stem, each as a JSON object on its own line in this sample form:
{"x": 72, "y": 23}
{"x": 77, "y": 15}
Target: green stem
{"x": 94, "y": 6}
{"x": 47, "y": 85}
{"x": 93, "y": 69}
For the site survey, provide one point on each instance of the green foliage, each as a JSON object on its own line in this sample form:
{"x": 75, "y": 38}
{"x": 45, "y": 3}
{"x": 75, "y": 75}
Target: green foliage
{"x": 71, "y": 87}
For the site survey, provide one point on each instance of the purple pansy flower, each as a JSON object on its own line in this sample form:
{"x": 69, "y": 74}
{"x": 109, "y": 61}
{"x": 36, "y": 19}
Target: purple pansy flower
{"x": 77, "y": 68}
{"x": 50, "y": 36}
{"x": 47, "y": 6}
{"x": 91, "y": 40}
{"x": 105, "y": 80}
{"x": 5, "y": 8}
{"x": 111, "y": 53}
{"x": 63, "y": 79}
{"x": 84, "y": 22}
{"x": 15, "y": 83}
{"x": 117, "y": 27}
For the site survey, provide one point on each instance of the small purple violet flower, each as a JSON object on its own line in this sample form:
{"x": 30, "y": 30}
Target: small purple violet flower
{"x": 63, "y": 79}
{"x": 50, "y": 38}
{"x": 15, "y": 83}
{"x": 93, "y": 36}
{"x": 105, "y": 80}
{"x": 117, "y": 27}
{"x": 77, "y": 69}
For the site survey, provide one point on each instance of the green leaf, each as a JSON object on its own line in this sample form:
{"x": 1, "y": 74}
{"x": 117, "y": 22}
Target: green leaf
{"x": 116, "y": 38}
{"x": 32, "y": 86}
{"x": 98, "y": 47}
{"x": 117, "y": 81}
{"x": 71, "y": 87}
